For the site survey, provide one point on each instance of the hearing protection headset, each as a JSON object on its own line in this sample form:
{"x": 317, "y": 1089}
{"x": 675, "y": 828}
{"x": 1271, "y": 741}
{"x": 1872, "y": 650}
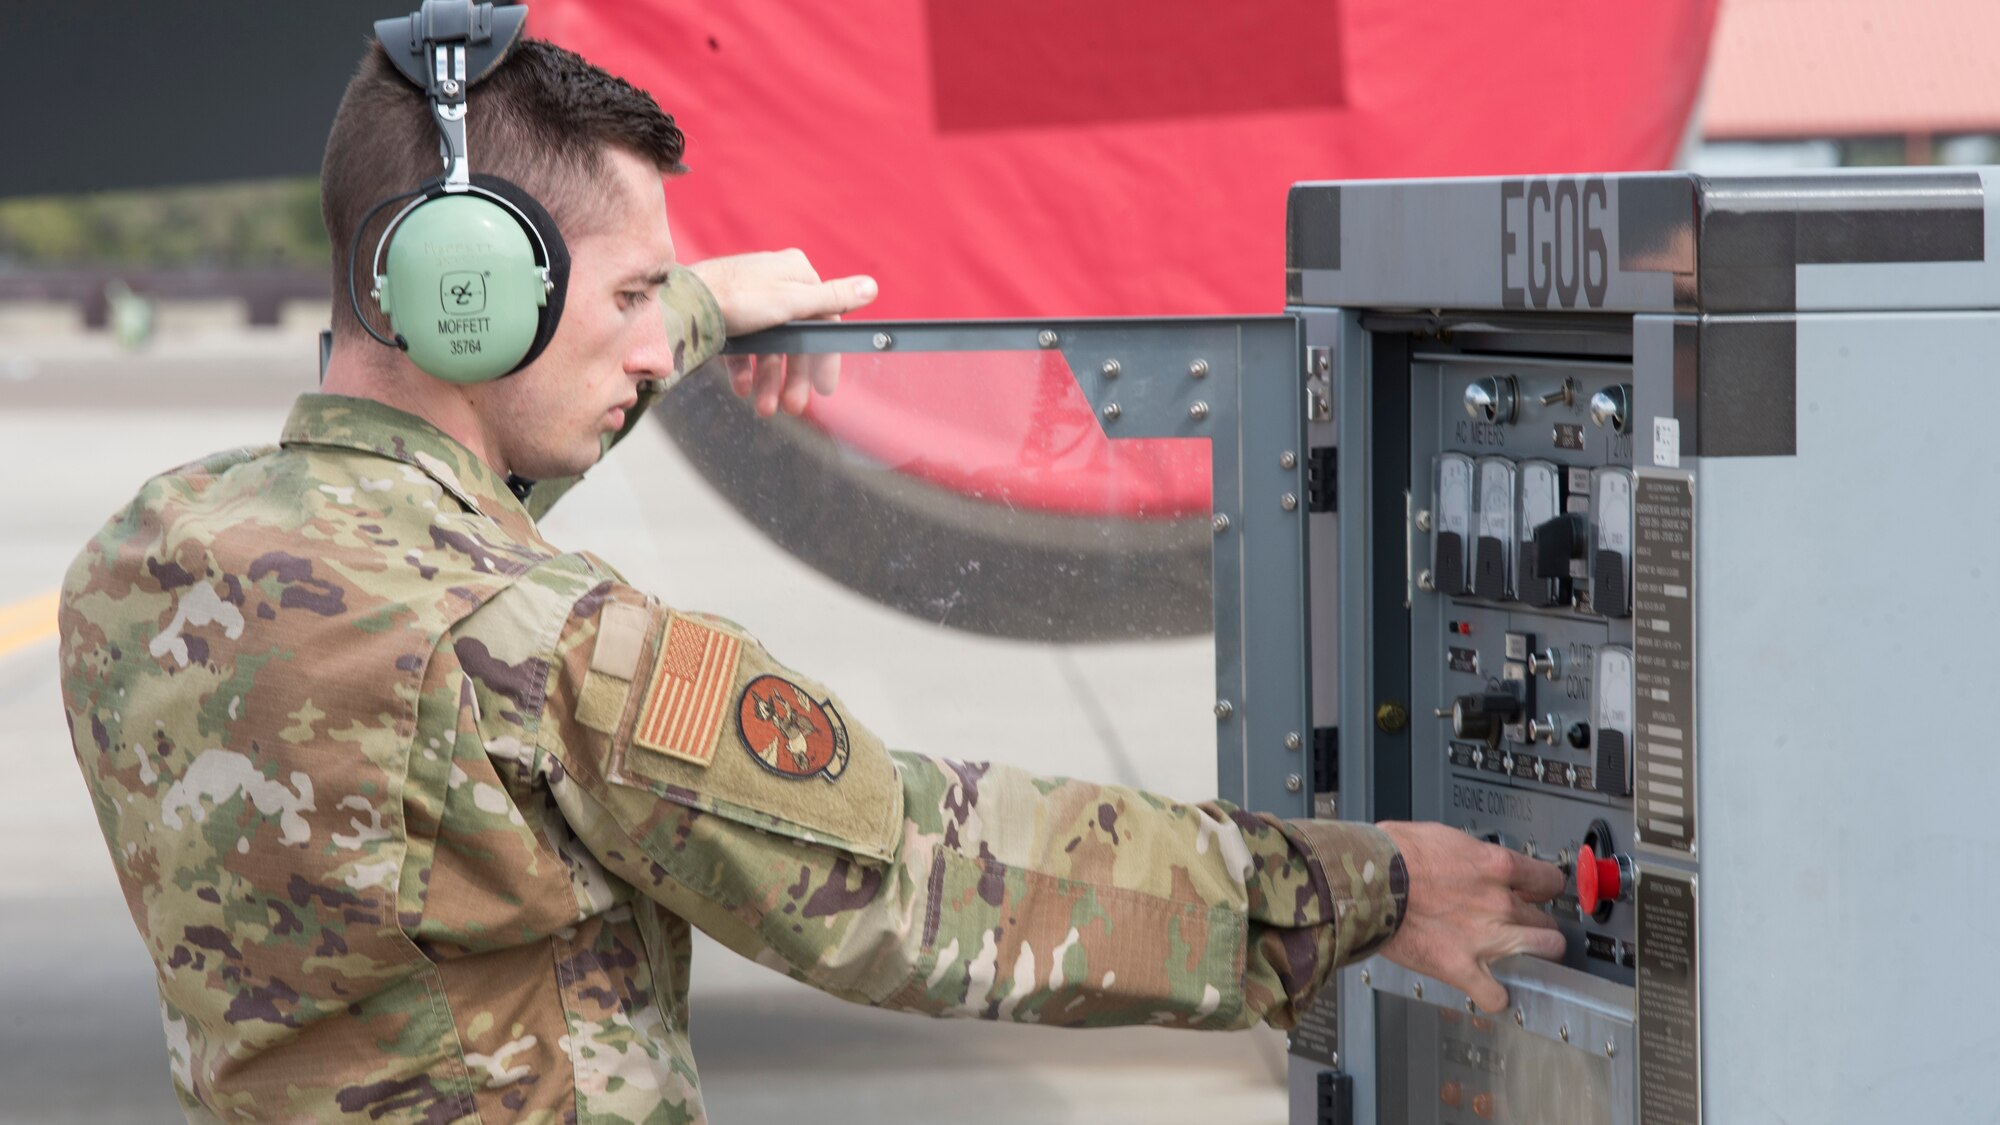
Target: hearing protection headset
{"x": 472, "y": 271}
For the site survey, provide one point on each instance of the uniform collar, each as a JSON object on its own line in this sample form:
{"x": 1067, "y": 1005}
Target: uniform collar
{"x": 373, "y": 427}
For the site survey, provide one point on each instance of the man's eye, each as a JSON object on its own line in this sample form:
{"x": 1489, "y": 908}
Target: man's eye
{"x": 632, "y": 297}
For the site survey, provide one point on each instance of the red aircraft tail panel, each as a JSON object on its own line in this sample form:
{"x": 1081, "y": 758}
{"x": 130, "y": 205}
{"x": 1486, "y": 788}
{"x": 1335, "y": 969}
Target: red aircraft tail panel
{"x": 1106, "y": 157}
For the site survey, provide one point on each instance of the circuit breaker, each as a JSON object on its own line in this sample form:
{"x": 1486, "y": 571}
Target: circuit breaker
{"x": 1667, "y": 526}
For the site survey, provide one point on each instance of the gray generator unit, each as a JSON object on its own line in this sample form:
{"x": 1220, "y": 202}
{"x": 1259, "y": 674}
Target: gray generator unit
{"x": 1664, "y": 548}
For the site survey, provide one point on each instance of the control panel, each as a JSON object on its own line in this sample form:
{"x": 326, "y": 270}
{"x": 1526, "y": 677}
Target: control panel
{"x": 1520, "y": 590}
{"x": 1521, "y": 623}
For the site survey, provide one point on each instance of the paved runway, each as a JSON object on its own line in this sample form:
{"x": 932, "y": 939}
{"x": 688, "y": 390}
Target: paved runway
{"x": 83, "y": 423}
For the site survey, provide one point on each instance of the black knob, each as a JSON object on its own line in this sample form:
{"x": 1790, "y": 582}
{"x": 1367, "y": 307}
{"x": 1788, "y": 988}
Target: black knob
{"x": 1480, "y": 716}
{"x": 1558, "y": 542}
{"x": 1579, "y": 735}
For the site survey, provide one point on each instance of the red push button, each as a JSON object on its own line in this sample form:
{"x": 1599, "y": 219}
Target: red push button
{"x": 1597, "y": 880}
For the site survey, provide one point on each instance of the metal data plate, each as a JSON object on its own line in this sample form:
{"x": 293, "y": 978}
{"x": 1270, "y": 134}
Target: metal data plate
{"x": 1669, "y": 1000}
{"x": 1663, "y": 644}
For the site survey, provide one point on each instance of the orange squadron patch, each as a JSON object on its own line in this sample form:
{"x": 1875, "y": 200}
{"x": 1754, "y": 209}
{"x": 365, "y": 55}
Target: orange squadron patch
{"x": 689, "y": 691}
{"x": 789, "y": 732}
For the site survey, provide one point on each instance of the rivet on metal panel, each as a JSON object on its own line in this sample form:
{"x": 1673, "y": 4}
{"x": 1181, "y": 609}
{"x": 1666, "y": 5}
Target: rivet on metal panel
{"x": 1392, "y": 717}
{"x": 1319, "y": 361}
{"x": 1519, "y": 1019}
{"x": 1365, "y": 978}
{"x": 1198, "y": 411}
{"x": 1112, "y": 411}
{"x": 1294, "y": 783}
{"x": 1417, "y": 990}
{"x": 1610, "y": 1048}
{"x": 1425, "y": 582}
{"x": 1198, "y": 369}
{"x": 1564, "y": 1032}
{"x": 1048, "y": 338}
{"x": 1288, "y": 460}
{"x": 1224, "y": 708}
{"x": 1424, "y": 519}
{"x": 1294, "y": 742}
{"x": 1289, "y": 502}
{"x": 882, "y": 341}
{"x": 1111, "y": 369}
{"x": 1220, "y": 523}
{"x": 1471, "y": 1006}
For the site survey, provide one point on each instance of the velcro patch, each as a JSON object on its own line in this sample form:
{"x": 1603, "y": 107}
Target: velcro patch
{"x": 690, "y": 691}
{"x": 620, "y": 638}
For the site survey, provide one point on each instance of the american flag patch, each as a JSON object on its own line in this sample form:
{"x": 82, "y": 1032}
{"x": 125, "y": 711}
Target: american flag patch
{"x": 689, "y": 692}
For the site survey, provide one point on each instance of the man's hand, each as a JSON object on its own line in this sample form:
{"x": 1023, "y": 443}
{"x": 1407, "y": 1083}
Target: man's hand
{"x": 1470, "y": 905}
{"x": 759, "y": 291}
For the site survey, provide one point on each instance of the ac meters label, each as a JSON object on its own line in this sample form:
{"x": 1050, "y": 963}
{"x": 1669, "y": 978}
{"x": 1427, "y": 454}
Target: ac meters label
{"x": 1663, "y": 593}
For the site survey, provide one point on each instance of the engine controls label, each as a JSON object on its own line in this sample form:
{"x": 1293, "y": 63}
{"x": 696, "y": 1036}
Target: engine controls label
{"x": 1663, "y": 592}
{"x": 1669, "y": 1011}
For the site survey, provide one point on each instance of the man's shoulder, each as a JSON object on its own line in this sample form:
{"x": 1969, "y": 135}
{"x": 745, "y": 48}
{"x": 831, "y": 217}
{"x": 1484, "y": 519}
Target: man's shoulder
{"x": 532, "y": 611}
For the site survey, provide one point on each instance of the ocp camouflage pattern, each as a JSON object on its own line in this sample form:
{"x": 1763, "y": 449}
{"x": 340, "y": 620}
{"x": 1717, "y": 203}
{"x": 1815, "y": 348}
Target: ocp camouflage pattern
{"x": 361, "y": 744}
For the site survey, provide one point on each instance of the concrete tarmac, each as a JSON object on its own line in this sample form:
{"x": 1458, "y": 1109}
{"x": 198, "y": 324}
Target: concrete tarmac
{"x": 83, "y": 423}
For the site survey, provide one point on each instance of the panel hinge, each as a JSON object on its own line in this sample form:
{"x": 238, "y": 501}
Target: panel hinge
{"x": 1326, "y": 760}
{"x": 1335, "y": 1104}
{"x": 1323, "y": 479}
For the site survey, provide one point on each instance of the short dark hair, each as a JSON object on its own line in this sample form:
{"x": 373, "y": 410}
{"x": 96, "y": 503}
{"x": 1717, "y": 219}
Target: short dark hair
{"x": 542, "y": 119}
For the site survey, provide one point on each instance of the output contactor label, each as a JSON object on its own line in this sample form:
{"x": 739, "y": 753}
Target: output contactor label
{"x": 1669, "y": 1000}
{"x": 1663, "y": 592}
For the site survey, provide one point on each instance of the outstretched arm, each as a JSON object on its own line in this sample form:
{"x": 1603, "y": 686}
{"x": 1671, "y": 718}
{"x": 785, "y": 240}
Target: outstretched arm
{"x": 938, "y": 886}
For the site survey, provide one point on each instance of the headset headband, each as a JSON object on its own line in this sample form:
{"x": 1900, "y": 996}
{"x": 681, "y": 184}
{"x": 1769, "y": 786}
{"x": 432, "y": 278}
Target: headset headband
{"x": 445, "y": 47}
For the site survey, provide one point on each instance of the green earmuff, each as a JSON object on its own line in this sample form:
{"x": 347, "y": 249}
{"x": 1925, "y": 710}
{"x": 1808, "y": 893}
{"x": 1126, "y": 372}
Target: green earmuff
{"x": 466, "y": 287}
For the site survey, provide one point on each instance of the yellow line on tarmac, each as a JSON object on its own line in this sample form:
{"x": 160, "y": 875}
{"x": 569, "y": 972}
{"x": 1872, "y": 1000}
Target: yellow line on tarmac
{"x": 27, "y": 622}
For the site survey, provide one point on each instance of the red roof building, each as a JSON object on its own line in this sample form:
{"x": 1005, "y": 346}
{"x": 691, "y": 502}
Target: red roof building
{"x": 1911, "y": 70}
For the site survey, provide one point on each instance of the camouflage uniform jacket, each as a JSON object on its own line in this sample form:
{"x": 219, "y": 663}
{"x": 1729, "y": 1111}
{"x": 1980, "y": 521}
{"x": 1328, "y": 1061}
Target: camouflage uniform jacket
{"x": 414, "y": 811}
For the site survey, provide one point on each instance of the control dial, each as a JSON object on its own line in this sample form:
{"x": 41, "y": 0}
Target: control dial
{"x": 1612, "y": 408}
{"x": 1481, "y": 715}
{"x": 1495, "y": 399}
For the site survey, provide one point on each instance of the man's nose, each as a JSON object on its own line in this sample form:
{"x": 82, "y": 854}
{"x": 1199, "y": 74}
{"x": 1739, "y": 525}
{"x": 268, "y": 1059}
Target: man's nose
{"x": 650, "y": 355}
